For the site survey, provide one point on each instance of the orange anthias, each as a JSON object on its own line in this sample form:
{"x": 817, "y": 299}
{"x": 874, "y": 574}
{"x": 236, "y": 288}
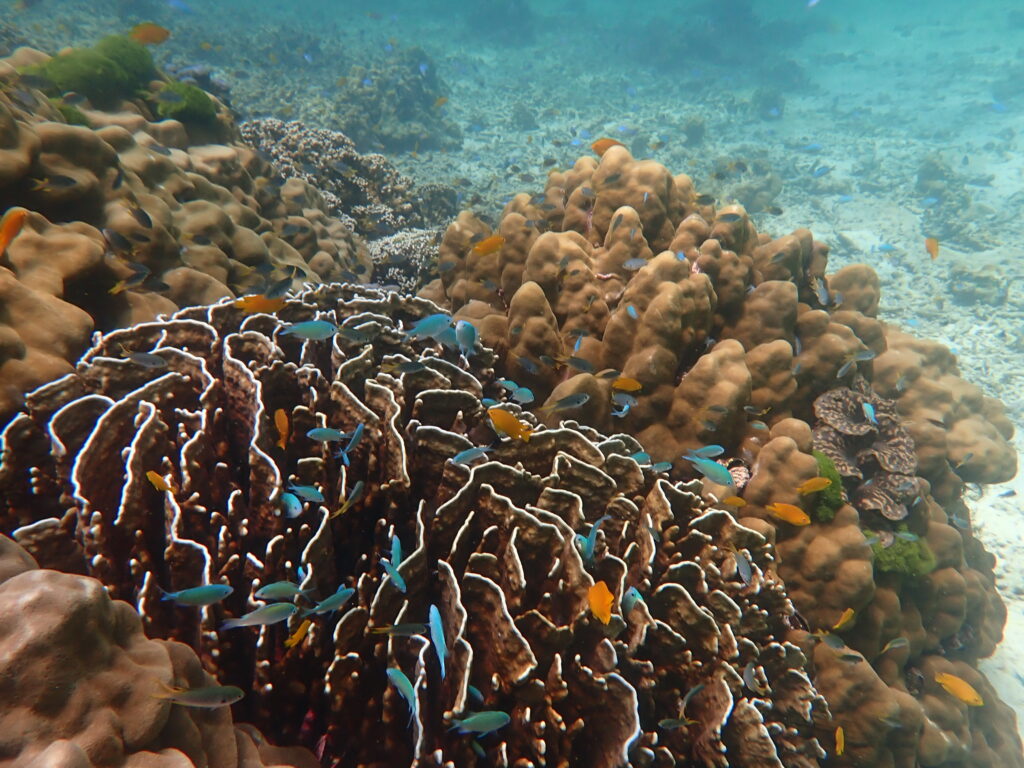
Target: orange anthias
{"x": 158, "y": 481}
{"x": 813, "y": 485}
{"x": 259, "y": 303}
{"x": 281, "y": 422}
{"x": 489, "y": 245}
{"x": 149, "y": 33}
{"x": 931, "y": 245}
{"x": 508, "y": 424}
{"x": 10, "y": 226}
{"x": 789, "y": 513}
{"x": 603, "y": 145}
{"x": 601, "y": 599}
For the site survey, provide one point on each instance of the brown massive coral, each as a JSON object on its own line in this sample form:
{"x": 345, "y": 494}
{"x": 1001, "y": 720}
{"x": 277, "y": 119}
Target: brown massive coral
{"x": 129, "y": 219}
{"x": 676, "y": 321}
{"x": 492, "y": 545}
{"x": 80, "y": 683}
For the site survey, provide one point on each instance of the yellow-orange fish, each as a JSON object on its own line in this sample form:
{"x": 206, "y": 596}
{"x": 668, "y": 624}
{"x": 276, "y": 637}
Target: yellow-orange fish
{"x": 960, "y": 689}
{"x": 158, "y": 481}
{"x": 296, "y": 637}
{"x": 206, "y": 45}
{"x": 508, "y": 424}
{"x": 258, "y": 303}
{"x": 626, "y": 384}
{"x": 440, "y": 101}
{"x": 813, "y": 485}
{"x": 601, "y": 599}
{"x": 734, "y": 501}
{"x": 840, "y": 740}
{"x": 789, "y": 513}
{"x": 603, "y": 145}
{"x": 281, "y": 422}
{"x": 149, "y": 33}
{"x": 10, "y": 226}
{"x": 931, "y": 245}
{"x": 489, "y": 245}
{"x": 844, "y": 619}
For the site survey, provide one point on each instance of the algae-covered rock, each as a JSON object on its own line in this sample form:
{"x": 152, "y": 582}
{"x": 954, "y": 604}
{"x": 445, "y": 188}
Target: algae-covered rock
{"x": 193, "y": 106}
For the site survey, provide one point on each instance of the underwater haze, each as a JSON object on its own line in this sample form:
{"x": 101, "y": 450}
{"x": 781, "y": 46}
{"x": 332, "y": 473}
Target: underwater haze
{"x": 722, "y": 167}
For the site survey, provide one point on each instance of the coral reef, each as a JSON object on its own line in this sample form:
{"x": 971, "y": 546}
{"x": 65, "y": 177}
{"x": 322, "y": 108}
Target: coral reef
{"x": 620, "y": 272}
{"x": 364, "y": 190}
{"x": 130, "y": 218}
{"x": 81, "y": 683}
{"x": 697, "y": 658}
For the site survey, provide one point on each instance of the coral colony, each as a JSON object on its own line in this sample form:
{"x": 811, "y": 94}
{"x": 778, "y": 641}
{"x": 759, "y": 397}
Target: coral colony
{"x": 623, "y": 481}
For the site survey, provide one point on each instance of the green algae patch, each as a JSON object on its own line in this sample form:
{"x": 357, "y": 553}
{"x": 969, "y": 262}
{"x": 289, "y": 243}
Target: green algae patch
{"x": 114, "y": 69}
{"x": 909, "y": 558}
{"x": 828, "y": 500}
{"x": 194, "y": 106}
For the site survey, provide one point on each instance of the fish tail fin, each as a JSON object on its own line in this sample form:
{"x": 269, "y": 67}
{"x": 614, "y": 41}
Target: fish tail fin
{"x": 166, "y": 691}
{"x": 231, "y": 624}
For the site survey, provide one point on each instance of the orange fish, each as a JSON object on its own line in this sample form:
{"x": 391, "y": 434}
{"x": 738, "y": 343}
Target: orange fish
{"x": 158, "y": 481}
{"x": 789, "y": 513}
{"x": 813, "y": 485}
{"x": 440, "y": 102}
{"x": 489, "y": 245}
{"x": 931, "y": 245}
{"x": 840, "y": 740}
{"x": 206, "y": 46}
{"x": 601, "y": 599}
{"x": 259, "y": 303}
{"x": 10, "y": 226}
{"x": 603, "y": 145}
{"x": 844, "y": 620}
{"x": 281, "y": 422}
{"x": 296, "y": 637}
{"x": 508, "y": 424}
{"x": 626, "y": 384}
{"x": 734, "y": 501}
{"x": 960, "y": 688}
{"x": 149, "y": 33}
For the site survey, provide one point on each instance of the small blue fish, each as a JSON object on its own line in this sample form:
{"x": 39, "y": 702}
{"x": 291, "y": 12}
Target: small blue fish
{"x": 712, "y": 470}
{"x": 465, "y": 335}
{"x": 928, "y": 202}
{"x": 199, "y": 597}
{"x": 845, "y": 368}
{"x": 482, "y": 722}
{"x": 311, "y": 330}
{"x": 396, "y": 577}
{"x": 396, "y": 551}
{"x": 290, "y": 505}
{"x": 357, "y": 435}
{"x": 883, "y": 248}
{"x": 474, "y": 693}
{"x": 632, "y": 312}
{"x": 437, "y": 636}
{"x": 821, "y": 170}
{"x": 623, "y": 399}
{"x": 591, "y": 540}
{"x": 634, "y": 264}
{"x": 263, "y": 616}
{"x": 332, "y": 603}
{"x": 641, "y": 457}
{"x": 470, "y": 455}
{"x": 661, "y": 466}
{"x": 631, "y": 597}
{"x": 907, "y": 536}
{"x": 708, "y": 452}
{"x": 326, "y": 435}
{"x": 620, "y": 412}
{"x": 430, "y": 327}
{"x": 844, "y": 199}
{"x": 812, "y": 147}
{"x": 869, "y": 412}
{"x": 404, "y": 687}
{"x": 279, "y": 590}
{"x": 569, "y": 401}
{"x": 307, "y": 493}
{"x": 508, "y": 385}
{"x": 743, "y": 567}
{"x": 864, "y": 355}
{"x": 523, "y": 396}
{"x": 528, "y": 365}
{"x": 584, "y": 366}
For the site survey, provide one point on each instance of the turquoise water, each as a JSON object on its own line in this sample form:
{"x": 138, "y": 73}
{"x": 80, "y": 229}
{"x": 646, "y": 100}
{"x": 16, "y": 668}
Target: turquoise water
{"x": 876, "y": 125}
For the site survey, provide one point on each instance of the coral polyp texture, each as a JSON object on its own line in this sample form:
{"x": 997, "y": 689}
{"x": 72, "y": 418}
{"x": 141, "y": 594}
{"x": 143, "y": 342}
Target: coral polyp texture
{"x": 132, "y": 216}
{"x": 623, "y": 299}
{"x": 492, "y": 546}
